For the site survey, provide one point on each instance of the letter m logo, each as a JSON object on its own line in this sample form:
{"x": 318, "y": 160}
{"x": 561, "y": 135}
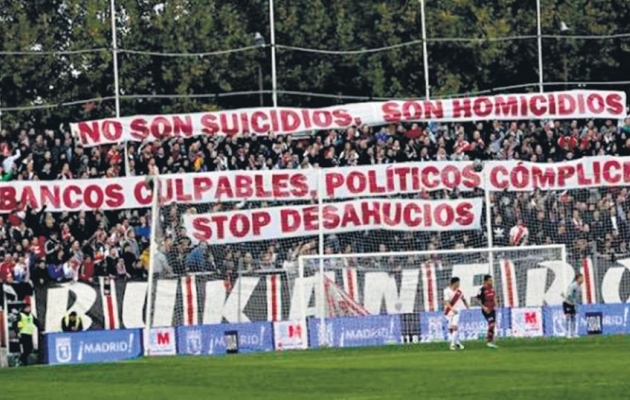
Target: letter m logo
{"x": 295, "y": 331}
{"x": 530, "y": 318}
{"x": 163, "y": 338}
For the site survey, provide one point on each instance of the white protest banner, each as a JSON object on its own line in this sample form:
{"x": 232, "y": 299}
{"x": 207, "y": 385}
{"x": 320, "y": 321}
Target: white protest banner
{"x": 589, "y": 172}
{"x": 236, "y": 186}
{"x": 133, "y": 192}
{"x": 339, "y": 183}
{"x": 295, "y": 221}
{"x": 284, "y": 120}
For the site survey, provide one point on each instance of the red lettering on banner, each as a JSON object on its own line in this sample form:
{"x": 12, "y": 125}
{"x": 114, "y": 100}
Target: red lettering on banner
{"x": 595, "y": 104}
{"x": 412, "y": 110}
{"x": 224, "y": 188}
{"x": 470, "y": 178}
{"x": 350, "y": 216}
{"x": 333, "y": 181}
{"x": 290, "y": 220}
{"x": 483, "y": 107}
{"x": 142, "y": 193}
{"x": 161, "y": 127}
{"x": 260, "y": 220}
{"x": 530, "y": 318}
{"x": 575, "y": 104}
{"x": 259, "y": 122}
{"x": 582, "y": 178}
{"x": 462, "y": 108}
{"x": 209, "y": 124}
{"x": 537, "y": 105}
{"x": 344, "y": 119}
{"x": 615, "y": 104}
{"x": 259, "y": 186}
{"x": 277, "y": 185}
{"x": 281, "y": 120}
{"x": 626, "y": 172}
{"x": 566, "y": 104}
{"x": 295, "y": 331}
{"x": 322, "y": 119}
{"x": 239, "y": 225}
{"x": 293, "y": 221}
{"x": 582, "y": 174}
{"x": 65, "y": 195}
{"x": 401, "y": 179}
{"x": 342, "y": 183}
{"x": 29, "y": 198}
{"x": 163, "y": 338}
{"x": 182, "y": 190}
{"x": 464, "y": 214}
{"x": 289, "y": 119}
{"x": 565, "y": 173}
{"x": 93, "y": 132}
{"x": 244, "y": 123}
{"x": 299, "y": 184}
{"x": 507, "y": 106}
{"x": 227, "y": 128}
{"x": 428, "y": 177}
{"x": 374, "y": 213}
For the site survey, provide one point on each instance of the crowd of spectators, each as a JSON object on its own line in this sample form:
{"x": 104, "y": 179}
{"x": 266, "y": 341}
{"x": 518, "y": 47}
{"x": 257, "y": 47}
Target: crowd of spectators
{"x": 37, "y": 246}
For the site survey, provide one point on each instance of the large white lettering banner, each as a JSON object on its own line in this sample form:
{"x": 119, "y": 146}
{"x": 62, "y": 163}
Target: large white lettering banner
{"x": 251, "y": 298}
{"x": 295, "y": 221}
{"x": 283, "y": 120}
{"x": 338, "y": 183}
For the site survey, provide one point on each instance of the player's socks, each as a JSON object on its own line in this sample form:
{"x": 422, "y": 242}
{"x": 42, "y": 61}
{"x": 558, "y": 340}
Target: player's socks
{"x": 574, "y": 327}
{"x": 490, "y": 335}
{"x": 456, "y": 339}
{"x": 568, "y": 326}
{"x": 453, "y": 337}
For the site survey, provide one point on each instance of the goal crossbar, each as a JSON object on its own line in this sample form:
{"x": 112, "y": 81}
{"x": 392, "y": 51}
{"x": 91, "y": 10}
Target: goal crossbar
{"x": 489, "y": 250}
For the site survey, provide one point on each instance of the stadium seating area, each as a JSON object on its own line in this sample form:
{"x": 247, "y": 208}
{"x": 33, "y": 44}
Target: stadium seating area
{"x": 37, "y": 246}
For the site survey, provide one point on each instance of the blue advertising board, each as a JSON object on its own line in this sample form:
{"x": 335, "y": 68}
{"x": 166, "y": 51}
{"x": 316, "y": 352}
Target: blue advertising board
{"x": 471, "y": 325}
{"x": 211, "y": 339}
{"x": 93, "y": 346}
{"x": 615, "y": 319}
{"x": 372, "y": 330}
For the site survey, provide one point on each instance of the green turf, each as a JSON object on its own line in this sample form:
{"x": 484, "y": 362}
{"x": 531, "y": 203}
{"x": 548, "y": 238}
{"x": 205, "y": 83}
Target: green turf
{"x": 589, "y": 368}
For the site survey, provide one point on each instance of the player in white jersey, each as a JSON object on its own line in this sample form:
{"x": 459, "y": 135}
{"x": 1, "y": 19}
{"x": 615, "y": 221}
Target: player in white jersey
{"x": 454, "y": 302}
{"x": 571, "y": 300}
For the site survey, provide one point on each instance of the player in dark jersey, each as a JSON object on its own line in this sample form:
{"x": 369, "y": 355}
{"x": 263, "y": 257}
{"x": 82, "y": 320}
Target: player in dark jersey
{"x": 486, "y": 298}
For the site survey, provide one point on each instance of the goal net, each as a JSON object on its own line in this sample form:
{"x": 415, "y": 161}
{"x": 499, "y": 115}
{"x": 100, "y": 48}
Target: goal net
{"x": 372, "y": 285}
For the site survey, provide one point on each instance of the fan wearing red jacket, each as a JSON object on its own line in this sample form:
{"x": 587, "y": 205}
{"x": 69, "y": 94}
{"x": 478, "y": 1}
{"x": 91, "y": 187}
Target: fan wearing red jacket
{"x": 486, "y": 298}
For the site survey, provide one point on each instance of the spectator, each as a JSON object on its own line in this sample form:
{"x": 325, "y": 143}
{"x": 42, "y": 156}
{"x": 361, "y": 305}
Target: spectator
{"x": 71, "y": 323}
{"x": 197, "y": 260}
{"x": 26, "y": 326}
{"x": 40, "y": 276}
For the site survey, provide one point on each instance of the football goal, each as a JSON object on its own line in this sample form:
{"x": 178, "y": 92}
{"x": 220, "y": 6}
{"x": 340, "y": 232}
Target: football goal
{"x": 361, "y": 285}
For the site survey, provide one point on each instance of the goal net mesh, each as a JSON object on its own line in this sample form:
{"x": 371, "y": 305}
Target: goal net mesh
{"x": 359, "y": 285}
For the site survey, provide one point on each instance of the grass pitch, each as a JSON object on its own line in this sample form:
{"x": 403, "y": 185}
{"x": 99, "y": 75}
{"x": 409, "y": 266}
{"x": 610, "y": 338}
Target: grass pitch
{"x": 588, "y": 368}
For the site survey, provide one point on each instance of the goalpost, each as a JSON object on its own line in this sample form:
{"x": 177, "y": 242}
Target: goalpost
{"x": 360, "y": 285}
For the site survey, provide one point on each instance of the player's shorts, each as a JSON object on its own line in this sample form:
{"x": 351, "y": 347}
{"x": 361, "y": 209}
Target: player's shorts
{"x": 490, "y": 316}
{"x": 453, "y": 319}
{"x": 568, "y": 309}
